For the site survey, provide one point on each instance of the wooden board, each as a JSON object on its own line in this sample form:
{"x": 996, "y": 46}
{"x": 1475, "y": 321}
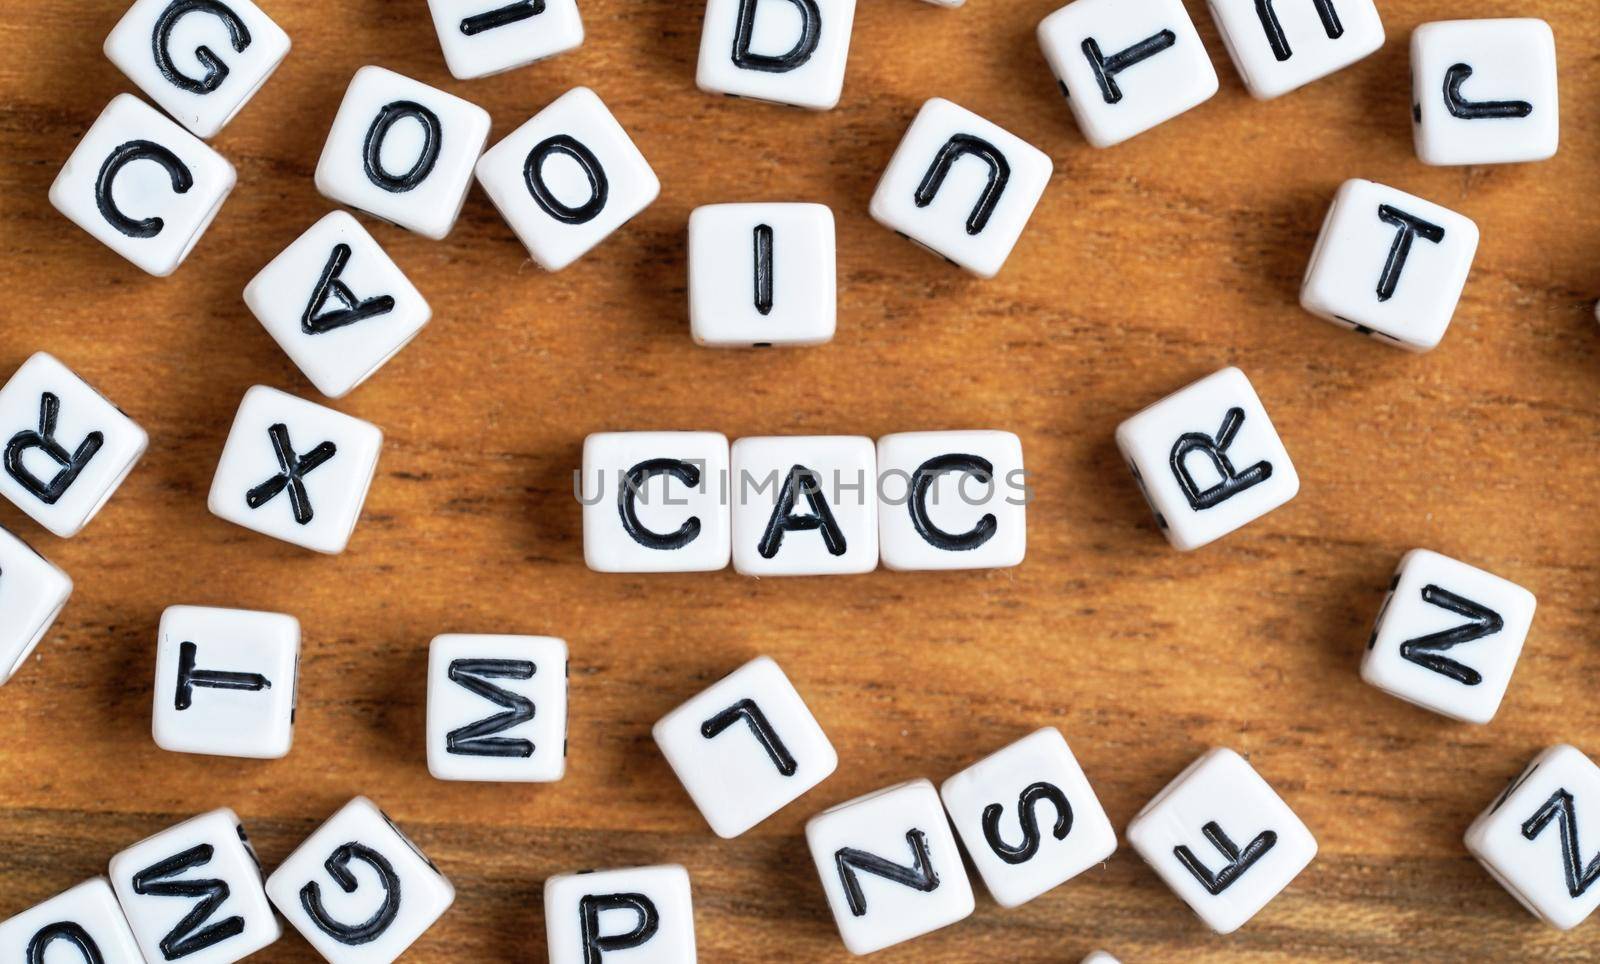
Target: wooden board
{"x": 1145, "y": 267}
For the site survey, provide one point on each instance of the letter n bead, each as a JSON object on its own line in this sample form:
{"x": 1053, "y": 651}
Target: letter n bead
{"x": 358, "y": 889}
{"x": 1208, "y": 459}
{"x": 961, "y": 186}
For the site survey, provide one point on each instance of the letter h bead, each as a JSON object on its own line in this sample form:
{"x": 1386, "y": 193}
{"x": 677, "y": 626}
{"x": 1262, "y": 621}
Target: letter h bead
{"x": 1208, "y": 459}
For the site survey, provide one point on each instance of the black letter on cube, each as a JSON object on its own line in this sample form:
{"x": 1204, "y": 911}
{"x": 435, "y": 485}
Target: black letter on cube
{"x": 628, "y": 495}
{"x": 533, "y": 175}
{"x": 189, "y": 678}
{"x": 1239, "y": 861}
{"x": 796, "y": 56}
{"x": 187, "y": 937}
{"x": 316, "y": 321}
{"x": 478, "y": 739}
{"x": 338, "y": 867}
{"x": 1461, "y": 107}
{"x": 763, "y": 279}
{"x": 922, "y": 481}
{"x": 1030, "y": 822}
{"x": 748, "y": 711}
{"x": 1560, "y": 804}
{"x": 182, "y": 180}
{"x": 432, "y": 135}
{"x": 1274, "y": 29}
{"x": 1233, "y": 482}
{"x": 952, "y": 151}
{"x": 784, "y": 520}
{"x": 505, "y": 16}
{"x": 216, "y": 70}
{"x": 1106, "y": 69}
{"x": 1410, "y": 228}
{"x": 75, "y": 936}
{"x": 45, "y": 441}
{"x": 919, "y": 876}
{"x": 1428, "y": 651}
{"x": 293, "y": 467}
{"x": 594, "y": 943}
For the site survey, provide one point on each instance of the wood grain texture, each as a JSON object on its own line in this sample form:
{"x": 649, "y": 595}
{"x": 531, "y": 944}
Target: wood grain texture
{"x": 1145, "y": 267}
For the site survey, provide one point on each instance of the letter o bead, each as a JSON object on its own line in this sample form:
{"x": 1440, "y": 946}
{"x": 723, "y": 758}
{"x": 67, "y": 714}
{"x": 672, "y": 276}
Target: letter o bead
{"x": 603, "y": 915}
{"x": 83, "y": 923}
{"x": 358, "y": 890}
{"x": 568, "y": 178}
{"x": 200, "y": 60}
{"x": 655, "y": 502}
{"x": 1208, "y": 459}
{"x": 142, "y": 186}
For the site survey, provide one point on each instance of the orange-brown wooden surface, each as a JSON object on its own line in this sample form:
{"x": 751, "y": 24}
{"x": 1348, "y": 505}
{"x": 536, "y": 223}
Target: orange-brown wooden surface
{"x": 1145, "y": 266}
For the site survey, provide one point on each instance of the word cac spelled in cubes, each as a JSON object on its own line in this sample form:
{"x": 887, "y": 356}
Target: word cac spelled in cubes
{"x": 497, "y": 708}
{"x": 226, "y": 682}
{"x": 1222, "y": 839}
{"x": 1208, "y": 459}
{"x": 802, "y": 505}
{"x": 1448, "y": 637}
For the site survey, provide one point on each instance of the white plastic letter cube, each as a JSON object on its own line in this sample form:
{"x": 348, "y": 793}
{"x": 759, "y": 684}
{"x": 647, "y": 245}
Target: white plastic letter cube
{"x": 402, "y": 151}
{"x": 1540, "y": 838}
{"x": 1389, "y": 265}
{"x": 1208, "y": 459}
{"x": 745, "y": 747}
{"x": 762, "y": 275}
{"x": 804, "y": 505}
{"x": 202, "y": 61}
{"x": 142, "y": 186}
{"x": 961, "y": 187}
{"x": 358, "y": 889}
{"x": 294, "y": 470}
{"x": 32, "y": 594}
{"x": 225, "y": 682}
{"x": 497, "y": 708}
{"x": 1028, "y": 817}
{"x": 783, "y": 51}
{"x": 889, "y": 866}
{"x": 193, "y": 892}
{"x": 483, "y": 37}
{"x": 568, "y": 178}
{"x": 655, "y": 502}
{"x": 1448, "y": 637}
{"x": 1222, "y": 840}
{"x": 85, "y": 921}
{"x": 952, "y": 500}
{"x": 67, "y": 447}
{"x": 639, "y": 914}
{"x": 1281, "y": 45}
{"x": 1484, "y": 91}
{"x": 336, "y": 304}
{"x": 1126, "y": 66}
